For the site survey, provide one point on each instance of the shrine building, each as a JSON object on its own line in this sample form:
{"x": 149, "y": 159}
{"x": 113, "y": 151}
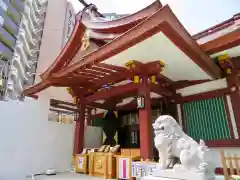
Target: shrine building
{"x": 124, "y": 73}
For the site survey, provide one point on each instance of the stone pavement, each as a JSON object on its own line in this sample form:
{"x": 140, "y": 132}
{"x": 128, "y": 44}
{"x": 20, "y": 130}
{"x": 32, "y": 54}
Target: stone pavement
{"x": 68, "y": 176}
{"x": 76, "y": 176}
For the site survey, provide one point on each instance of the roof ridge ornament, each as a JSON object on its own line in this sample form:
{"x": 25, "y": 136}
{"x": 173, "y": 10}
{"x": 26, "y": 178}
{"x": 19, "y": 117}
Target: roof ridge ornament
{"x": 93, "y": 11}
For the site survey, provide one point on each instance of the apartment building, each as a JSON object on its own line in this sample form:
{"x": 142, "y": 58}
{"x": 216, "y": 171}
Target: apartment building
{"x": 27, "y": 136}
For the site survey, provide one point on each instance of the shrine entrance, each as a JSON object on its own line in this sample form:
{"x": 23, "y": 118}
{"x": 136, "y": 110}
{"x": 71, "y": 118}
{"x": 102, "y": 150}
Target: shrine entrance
{"x": 125, "y": 67}
{"x": 129, "y": 131}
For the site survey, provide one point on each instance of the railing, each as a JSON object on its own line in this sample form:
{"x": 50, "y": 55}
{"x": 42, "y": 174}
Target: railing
{"x": 231, "y": 166}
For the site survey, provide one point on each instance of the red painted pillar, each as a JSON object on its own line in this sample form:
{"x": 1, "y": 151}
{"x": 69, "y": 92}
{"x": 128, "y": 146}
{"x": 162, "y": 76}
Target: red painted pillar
{"x": 79, "y": 131}
{"x": 145, "y": 122}
{"x": 233, "y": 84}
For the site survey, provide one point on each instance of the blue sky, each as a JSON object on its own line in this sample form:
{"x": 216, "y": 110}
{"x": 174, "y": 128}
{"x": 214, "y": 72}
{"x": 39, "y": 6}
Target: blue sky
{"x": 195, "y": 15}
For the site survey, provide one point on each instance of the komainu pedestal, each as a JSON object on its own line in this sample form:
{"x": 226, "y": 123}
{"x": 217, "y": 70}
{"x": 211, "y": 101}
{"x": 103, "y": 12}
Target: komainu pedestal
{"x": 180, "y": 156}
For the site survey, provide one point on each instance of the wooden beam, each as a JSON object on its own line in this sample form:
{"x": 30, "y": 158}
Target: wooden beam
{"x": 236, "y": 62}
{"x": 64, "y": 107}
{"x": 185, "y": 83}
{"x": 100, "y": 106}
{"x": 114, "y": 91}
{"x": 148, "y": 69}
{"x": 227, "y": 41}
{"x": 164, "y": 80}
{"x": 62, "y": 102}
{"x": 60, "y": 110}
{"x": 156, "y": 88}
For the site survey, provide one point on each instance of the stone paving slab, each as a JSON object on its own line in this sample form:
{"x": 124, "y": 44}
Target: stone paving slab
{"x": 68, "y": 176}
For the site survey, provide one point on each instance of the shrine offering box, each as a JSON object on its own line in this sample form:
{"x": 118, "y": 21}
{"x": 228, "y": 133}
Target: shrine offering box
{"x": 124, "y": 163}
{"x": 81, "y": 163}
{"x": 103, "y": 164}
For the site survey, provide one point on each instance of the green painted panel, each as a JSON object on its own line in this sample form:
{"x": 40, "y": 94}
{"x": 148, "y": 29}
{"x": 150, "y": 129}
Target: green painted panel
{"x": 206, "y": 119}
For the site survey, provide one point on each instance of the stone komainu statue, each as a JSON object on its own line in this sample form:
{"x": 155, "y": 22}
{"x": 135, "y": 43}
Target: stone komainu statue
{"x": 172, "y": 143}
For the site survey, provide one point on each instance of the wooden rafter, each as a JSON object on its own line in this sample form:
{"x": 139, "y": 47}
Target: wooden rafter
{"x": 63, "y": 105}
{"x": 114, "y": 91}
{"x": 156, "y": 88}
{"x": 105, "y": 106}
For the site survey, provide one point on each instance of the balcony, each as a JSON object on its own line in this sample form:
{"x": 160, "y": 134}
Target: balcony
{"x": 18, "y": 4}
{"x": 24, "y": 61}
{"x": 7, "y": 38}
{"x": 8, "y": 24}
{"x": 12, "y": 13}
{"x": 5, "y": 52}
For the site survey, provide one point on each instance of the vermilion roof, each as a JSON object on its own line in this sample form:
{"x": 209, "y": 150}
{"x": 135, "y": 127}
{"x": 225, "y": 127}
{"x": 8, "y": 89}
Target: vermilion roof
{"x": 217, "y": 27}
{"x": 161, "y": 21}
{"x": 100, "y": 30}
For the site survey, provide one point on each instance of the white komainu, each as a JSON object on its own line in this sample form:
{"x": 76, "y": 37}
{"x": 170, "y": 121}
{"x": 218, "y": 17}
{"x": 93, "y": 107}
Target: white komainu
{"x": 171, "y": 143}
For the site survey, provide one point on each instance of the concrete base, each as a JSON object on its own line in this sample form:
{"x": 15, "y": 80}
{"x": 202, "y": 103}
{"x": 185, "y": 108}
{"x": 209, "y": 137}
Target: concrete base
{"x": 159, "y": 178}
{"x": 183, "y": 175}
{"x": 68, "y": 176}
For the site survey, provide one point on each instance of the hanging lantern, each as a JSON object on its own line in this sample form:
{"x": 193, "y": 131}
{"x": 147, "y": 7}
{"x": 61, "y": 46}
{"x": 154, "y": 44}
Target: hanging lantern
{"x": 1, "y": 82}
{"x": 140, "y": 102}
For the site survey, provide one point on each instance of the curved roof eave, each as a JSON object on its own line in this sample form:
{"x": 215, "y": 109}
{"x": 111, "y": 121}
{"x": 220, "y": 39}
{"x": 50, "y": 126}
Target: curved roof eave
{"x": 69, "y": 50}
{"x": 74, "y": 43}
{"x": 122, "y": 24}
{"x": 222, "y": 43}
{"x": 217, "y": 27}
{"x": 163, "y": 20}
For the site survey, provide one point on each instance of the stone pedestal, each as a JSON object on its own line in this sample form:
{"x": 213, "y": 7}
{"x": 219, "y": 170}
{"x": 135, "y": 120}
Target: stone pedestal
{"x": 169, "y": 174}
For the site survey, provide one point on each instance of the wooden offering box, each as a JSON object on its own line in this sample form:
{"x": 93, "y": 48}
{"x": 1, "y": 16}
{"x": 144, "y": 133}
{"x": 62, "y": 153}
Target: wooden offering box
{"x": 124, "y": 163}
{"x": 103, "y": 164}
{"x": 81, "y": 163}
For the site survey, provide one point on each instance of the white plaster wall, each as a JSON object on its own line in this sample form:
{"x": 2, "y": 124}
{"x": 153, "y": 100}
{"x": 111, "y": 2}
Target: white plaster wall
{"x": 29, "y": 142}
